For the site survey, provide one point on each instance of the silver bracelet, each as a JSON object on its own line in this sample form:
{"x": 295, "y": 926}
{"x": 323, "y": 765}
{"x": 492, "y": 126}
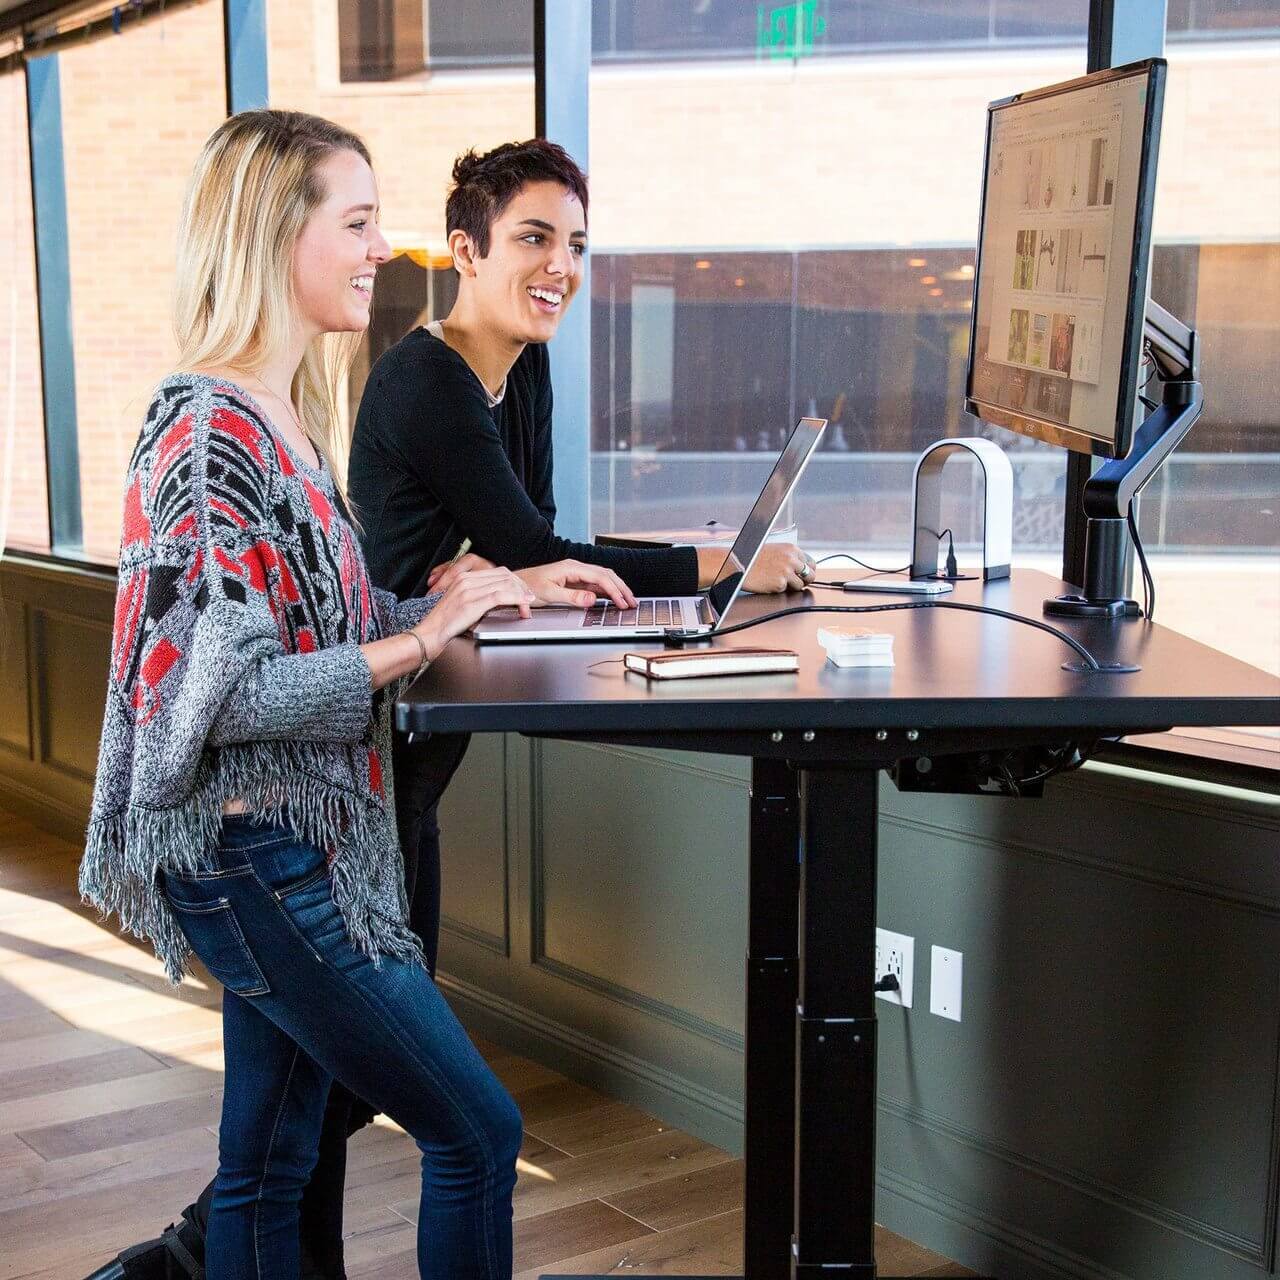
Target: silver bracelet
{"x": 422, "y": 649}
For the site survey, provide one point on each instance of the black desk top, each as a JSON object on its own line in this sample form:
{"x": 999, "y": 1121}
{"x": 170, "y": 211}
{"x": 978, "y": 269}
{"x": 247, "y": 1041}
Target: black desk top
{"x": 954, "y": 670}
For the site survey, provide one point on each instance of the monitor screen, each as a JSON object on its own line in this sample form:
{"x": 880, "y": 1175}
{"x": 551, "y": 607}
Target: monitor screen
{"x": 1064, "y": 247}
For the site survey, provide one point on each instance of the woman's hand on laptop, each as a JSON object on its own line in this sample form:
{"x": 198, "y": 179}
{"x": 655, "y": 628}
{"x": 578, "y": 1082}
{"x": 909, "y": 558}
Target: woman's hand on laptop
{"x": 443, "y": 576}
{"x": 575, "y": 583}
{"x": 780, "y": 566}
{"x": 467, "y": 600}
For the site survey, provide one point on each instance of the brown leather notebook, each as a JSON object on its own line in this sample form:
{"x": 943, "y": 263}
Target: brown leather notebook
{"x": 680, "y": 664}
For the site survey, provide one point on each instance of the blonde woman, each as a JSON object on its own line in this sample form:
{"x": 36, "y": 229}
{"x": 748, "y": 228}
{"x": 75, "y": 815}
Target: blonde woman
{"x": 241, "y": 807}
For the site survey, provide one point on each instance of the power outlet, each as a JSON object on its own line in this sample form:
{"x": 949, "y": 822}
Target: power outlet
{"x": 895, "y": 954}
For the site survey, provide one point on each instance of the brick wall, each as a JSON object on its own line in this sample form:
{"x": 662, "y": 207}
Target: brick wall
{"x": 875, "y": 151}
{"x": 414, "y": 128}
{"x": 22, "y": 438}
{"x": 135, "y": 110}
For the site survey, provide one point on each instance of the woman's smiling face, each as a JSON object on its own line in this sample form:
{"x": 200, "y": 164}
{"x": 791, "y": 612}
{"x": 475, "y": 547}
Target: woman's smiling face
{"x": 340, "y": 249}
{"x": 534, "y": 264}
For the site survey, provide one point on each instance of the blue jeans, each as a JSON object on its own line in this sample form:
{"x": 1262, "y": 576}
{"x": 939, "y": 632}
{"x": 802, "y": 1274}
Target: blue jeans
{"x": 302, "y": 1007}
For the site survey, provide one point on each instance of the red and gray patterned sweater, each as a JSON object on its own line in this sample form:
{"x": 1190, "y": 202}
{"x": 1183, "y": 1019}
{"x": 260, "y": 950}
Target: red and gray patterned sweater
{"x": 236, "y": 672}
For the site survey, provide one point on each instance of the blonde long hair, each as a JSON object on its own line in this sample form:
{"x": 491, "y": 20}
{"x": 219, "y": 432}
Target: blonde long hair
{"x": 252, "y": 191}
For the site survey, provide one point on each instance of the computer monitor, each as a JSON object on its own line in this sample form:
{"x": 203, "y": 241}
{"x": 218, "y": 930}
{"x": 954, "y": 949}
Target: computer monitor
{"x": 1064, "y": 246}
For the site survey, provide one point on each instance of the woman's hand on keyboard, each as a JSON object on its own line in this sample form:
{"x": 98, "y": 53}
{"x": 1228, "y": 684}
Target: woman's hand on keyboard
{"x": 443, "y": 576}
{"x": 467, "y": 600}
{"x": 575, "y": 583}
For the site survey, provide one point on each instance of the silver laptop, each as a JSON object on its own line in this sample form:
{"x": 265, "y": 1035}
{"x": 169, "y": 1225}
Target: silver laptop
{"x": 701, "y": 614}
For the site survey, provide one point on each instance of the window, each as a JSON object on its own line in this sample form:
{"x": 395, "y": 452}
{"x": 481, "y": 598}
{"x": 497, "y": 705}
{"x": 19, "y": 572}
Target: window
{"x": 127, "y": 158}
{"x": 1210, "y": 519}
{"x": 782, "y": 29}
{"x": 24, "y": 505}
{"x": 391, "y": 40}
{"x": 415, "y": 143}
{"x": 1230, "y": 19}
{"x": 775, "y": 237}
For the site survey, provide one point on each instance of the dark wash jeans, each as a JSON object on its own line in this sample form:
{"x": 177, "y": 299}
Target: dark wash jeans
{"x": 301, "y": 1007}
{"x": 423, "y": 770}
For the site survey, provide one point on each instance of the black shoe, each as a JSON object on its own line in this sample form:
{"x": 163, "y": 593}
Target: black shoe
{"x": 114, "y": 1270}
{"x": 177, "y": 1255}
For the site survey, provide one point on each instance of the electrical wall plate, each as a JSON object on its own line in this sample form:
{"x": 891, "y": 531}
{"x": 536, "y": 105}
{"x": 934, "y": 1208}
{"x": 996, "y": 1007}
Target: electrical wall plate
{"x": 946, "y": 982}
{"x": 895, "y": 954}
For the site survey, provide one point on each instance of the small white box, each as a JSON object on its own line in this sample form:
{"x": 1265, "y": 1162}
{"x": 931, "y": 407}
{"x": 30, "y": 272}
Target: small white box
{"x": 857, "y": 646}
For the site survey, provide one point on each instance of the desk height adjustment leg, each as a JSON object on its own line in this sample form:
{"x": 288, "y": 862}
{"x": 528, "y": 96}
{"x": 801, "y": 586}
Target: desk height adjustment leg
{"x": 836, "y": 1027}
{"x": 772, "y": 973}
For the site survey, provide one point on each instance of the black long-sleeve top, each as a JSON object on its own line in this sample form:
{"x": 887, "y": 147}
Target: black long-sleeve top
{"x": 433, "y": 463}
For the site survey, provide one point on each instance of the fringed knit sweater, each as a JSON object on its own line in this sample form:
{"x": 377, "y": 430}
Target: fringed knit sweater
{"x": 236, "y": 672}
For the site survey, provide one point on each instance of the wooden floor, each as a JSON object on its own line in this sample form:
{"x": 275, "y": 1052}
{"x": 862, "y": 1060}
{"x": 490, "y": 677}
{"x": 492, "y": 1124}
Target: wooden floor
{"x": 110, "y": 1082}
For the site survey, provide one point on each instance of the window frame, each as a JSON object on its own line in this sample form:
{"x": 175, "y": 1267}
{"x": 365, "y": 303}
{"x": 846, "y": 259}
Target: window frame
{"x": 1119, "y": 31}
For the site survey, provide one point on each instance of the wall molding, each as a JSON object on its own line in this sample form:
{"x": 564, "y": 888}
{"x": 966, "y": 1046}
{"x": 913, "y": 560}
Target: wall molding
{"x": 1252, "y": 1251}
{"x": 539, "y": 957}
{"x": 1172, "y": 792}
{"x": 1254, "y": 904}
{"x": 671, "y": 1014}
{"x": 1021, "y": 1245}
{"x": 509, "y": 837}
{"x": 477, "y": 937}
{"x": 650, "y": 759}
{"x": 64, "y": 818}
{"x": 634, "y": 1079}
{"x": 43, "y": 620}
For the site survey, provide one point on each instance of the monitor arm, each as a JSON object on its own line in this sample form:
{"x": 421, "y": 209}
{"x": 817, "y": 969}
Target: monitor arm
{"x": 1174, "y": 349}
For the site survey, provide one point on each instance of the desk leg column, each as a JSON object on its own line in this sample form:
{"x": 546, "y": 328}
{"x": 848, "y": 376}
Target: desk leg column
{"x": 772, "y": 970}
{"x": 836, "y": 1027}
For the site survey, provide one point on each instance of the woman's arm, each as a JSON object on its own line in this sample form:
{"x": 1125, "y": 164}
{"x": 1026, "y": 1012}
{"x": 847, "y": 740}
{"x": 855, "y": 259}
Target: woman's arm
{"x": 326, "y": 696}
{"x": 446, "y": 439}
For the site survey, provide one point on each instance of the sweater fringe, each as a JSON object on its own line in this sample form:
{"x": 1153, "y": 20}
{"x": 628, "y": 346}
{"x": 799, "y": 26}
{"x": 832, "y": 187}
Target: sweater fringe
{"x": 278, "y": 782}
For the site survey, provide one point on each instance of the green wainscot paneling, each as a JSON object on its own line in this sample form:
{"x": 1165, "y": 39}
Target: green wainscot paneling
{"x": 1108, "y": 1104}
{"x": 1107, "y": 1108}
{"x": 473, "y": 847}
{"x": 639, "y": 879}
{"x": 55, "y": 642}
{"x": 71, "y": 663}
{"x": 15, "y": 730}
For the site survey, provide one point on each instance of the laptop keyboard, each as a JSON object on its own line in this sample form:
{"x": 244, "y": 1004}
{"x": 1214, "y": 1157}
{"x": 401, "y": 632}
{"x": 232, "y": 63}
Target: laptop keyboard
{"x": 648, "y": 613}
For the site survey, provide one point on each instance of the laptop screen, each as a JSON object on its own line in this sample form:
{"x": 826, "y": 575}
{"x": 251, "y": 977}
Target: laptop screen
{"x": 755, "y": 528}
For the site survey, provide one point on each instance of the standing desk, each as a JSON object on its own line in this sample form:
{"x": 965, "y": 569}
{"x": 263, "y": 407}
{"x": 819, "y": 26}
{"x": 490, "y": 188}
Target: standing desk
{"x": 964, "y": 684}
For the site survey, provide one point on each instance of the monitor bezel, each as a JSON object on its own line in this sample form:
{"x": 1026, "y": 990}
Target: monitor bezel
{"x": 1139, "y": 269}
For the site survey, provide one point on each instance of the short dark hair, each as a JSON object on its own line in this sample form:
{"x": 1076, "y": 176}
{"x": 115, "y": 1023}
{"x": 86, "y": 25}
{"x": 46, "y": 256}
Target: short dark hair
{"x": 483, "y": 185}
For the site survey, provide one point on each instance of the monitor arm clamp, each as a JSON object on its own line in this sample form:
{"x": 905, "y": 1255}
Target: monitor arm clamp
{"x": 1174, "y": 349}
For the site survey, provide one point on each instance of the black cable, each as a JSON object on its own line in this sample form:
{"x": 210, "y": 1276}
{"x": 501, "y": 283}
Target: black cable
{"x": 841, "y": 555}
{"x": 1148, "y": 582}
{"x": 1148, "y": 358}
{"x": 1076, "y": 756}
{"x": 677, "y": 637}
{"x": 952, "y": 570}
{"x": 951, "y": 567}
